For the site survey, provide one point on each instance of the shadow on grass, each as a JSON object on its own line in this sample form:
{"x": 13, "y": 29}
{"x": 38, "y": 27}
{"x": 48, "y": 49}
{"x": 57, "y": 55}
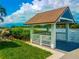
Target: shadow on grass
{"x": 8, "y": 44}
{"x": 66, "y": 46}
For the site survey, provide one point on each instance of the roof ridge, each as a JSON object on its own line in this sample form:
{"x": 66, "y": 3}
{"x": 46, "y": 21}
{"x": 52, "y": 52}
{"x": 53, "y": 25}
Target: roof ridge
{"x": 54, "y": 9}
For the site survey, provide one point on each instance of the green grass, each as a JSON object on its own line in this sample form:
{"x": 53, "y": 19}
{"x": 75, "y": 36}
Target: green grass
{"x": 19, "y": 50}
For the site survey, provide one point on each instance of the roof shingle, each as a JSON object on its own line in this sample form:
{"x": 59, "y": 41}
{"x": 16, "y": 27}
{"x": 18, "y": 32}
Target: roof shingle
{"x": 47, "y": 17}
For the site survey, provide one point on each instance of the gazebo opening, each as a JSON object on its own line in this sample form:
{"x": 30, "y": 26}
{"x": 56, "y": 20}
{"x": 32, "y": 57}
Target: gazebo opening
{"x": 46, "y": 26}
{"x": 42, "y": 34}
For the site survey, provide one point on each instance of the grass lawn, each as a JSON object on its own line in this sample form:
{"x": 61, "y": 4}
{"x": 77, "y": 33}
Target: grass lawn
{"x": 17, "y": 49}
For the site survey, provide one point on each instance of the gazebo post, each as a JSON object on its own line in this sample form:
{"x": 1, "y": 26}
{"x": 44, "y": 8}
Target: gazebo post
{"x": 53, "y": 35}
{"x": 67, "y": 32}
{"x": 31, "y": 33}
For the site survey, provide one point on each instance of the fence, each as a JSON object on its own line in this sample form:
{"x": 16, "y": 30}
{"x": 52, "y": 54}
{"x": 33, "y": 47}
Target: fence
{"x": 60, "y": 35}
{"x": 73, "y": 35}
{"x": 42, "y": 39}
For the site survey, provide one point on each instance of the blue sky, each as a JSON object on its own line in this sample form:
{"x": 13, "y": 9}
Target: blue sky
{"x": 20, "y": 11}
{"x": 13, "y": 5}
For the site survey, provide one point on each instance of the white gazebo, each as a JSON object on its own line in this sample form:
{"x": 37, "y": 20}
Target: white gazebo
{"x": 53, "y": 17}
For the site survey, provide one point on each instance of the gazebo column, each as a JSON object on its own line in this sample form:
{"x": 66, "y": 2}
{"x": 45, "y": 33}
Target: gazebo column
{"x": 31, "y": 34}
{"x": 67, "y": 32}
{"x": 53, "y": 35}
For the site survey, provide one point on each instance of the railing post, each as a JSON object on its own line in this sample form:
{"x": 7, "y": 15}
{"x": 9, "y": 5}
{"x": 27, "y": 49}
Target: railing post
{"x": 53, "y": 35}
{"x": 31, "y": 34}
{"x": 40, "y": 39}
{"x": 67, "y": 32}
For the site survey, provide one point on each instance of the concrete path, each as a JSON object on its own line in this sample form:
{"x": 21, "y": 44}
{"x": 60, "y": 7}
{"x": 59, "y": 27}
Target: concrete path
{"x": 55, "y": 53}
{"x": 72, "y": 55}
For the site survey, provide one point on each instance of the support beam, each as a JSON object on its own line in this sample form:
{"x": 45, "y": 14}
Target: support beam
{"x": 31, "y": 34}
{"x": 66, "y": 19}
{"x": 53, "y": 35}
{"x": 67, "y": 32}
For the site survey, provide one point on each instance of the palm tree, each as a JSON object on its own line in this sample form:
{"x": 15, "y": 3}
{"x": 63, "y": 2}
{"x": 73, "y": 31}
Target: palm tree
{"x": 2, "y": 13}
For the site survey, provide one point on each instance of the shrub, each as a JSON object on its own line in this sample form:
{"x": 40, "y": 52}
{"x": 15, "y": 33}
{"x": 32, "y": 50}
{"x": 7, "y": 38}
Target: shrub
{"x": 20, "y": 33}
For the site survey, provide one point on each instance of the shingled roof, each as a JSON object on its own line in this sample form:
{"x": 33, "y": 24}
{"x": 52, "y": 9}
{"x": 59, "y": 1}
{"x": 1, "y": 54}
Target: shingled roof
{"x": 47, "y": 17}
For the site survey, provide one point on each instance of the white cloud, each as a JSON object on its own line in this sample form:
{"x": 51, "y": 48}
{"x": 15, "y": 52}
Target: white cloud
{"x": 37, "y": 5}
{"x": 76, "y": 8}
{"x": 27, "y": 10}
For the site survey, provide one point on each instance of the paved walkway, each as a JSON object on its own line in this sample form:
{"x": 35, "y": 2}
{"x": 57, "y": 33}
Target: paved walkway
{"x": 55, "y": 53}
{"x": 72, "y": 55}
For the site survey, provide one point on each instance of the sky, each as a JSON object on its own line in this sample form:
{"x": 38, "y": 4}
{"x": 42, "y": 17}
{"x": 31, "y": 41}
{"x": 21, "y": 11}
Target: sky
{"x": 20, "y": 11}
{"x": 13, "y": 5}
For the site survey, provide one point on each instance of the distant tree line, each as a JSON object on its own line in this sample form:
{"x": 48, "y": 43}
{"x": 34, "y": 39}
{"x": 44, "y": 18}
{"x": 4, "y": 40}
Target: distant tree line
{"x": 74, "y": 25}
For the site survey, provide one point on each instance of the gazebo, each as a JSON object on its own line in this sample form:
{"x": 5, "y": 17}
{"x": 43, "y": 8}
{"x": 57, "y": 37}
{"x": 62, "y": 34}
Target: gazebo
{"x": 58, "y": 16}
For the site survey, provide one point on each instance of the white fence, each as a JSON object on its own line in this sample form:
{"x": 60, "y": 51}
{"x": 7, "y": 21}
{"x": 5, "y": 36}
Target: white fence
{"x": 74, "y": 35}
{"x": 61, "y": 35}
{"x": 36, "y": 38}
{"x": 42, "y": 39}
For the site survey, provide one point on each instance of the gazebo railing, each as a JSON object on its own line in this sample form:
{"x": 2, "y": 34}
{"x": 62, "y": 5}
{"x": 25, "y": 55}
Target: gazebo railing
{"x": 42, "y": 39}
{"x": 46, "y": 40}
{"x": 36, "y": 38}
{"x": 61, "y": 36}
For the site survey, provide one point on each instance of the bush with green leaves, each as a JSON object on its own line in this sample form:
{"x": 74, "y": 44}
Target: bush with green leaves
{"x": 20, "y": 33}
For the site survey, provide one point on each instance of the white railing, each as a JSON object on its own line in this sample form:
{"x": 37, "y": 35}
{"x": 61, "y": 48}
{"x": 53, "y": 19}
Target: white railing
{"x": 36, "y": 38}
{"x": 73, "y": 35}
{"x": 46, "y": 40}
{"x": 42, "y": 39}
